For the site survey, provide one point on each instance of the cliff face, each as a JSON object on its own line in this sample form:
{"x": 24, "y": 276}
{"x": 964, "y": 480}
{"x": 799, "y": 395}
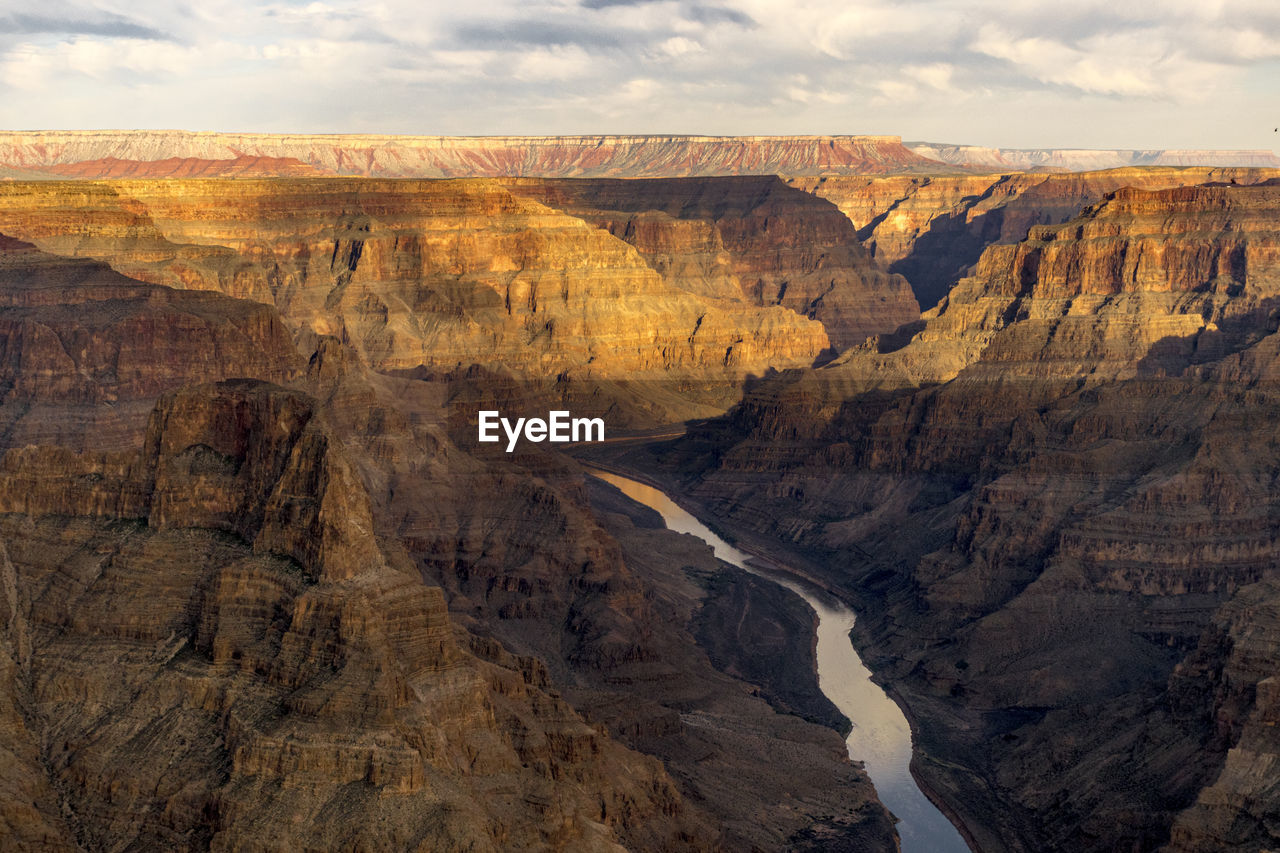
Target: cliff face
{"x": 933, "y": 229}
{"x": 445, "y": 275}
{"x": 84, "y": 351}
{"x": 215, "y": 651}
{"x": 750, "y": 239}
{"x": 1055, "y": 502}
{"x": 460, "y": 156}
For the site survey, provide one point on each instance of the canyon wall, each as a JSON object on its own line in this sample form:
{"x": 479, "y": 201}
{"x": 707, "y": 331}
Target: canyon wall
{"x": 746, "y": 238}
{"x": 446, "y": 276}
{"x": 1055, "y": 503}
{"x": 932, "y": 229}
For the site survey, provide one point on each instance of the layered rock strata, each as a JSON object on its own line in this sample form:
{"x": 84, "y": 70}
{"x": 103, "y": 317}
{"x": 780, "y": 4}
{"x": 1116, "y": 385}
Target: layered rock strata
{"x": 444, "y": 275}
{"x": 478, "y": 156}
{"x": 745, "y": 238}
{"x": 85, "y": 351}
{"x": 1055, "y": 505}
{"x": 933, "y": 229}
{"x": 440, "y": 275}
{"x": 211, "y": 650}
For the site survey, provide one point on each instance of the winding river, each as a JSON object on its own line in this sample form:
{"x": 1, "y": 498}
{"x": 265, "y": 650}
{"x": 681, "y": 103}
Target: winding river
{"x": 881, "y": 736}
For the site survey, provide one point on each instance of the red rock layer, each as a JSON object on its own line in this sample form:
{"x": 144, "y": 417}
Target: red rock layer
{"x": 479, "y": 156}
{"x": 240, "y": 166}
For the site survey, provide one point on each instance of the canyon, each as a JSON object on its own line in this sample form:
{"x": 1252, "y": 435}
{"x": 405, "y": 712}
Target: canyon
{"x": 263, "y": 588}
{"x": 1054, "y": 504}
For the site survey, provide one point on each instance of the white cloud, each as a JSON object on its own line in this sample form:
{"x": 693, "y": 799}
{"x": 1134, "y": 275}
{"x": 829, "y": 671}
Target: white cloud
{"x": 1144, "y": 73}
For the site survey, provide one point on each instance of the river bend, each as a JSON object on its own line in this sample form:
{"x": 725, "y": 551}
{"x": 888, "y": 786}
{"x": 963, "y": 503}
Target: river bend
{"x": 881, "y": 737}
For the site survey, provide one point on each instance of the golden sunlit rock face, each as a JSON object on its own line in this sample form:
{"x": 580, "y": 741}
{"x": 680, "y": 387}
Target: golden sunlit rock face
{"x": 450, "y": 275}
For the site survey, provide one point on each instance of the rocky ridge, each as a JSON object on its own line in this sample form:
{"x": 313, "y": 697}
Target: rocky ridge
{"x": 479, "y": 156}
{"x": 446, "y": 275}
{"x": 744, "y": 238}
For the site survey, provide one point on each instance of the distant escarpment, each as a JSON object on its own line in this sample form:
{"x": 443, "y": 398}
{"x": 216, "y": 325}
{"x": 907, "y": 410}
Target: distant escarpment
{"x": 85, "y": 351}
{"x": 932, "y": 229}
{"x": 651, "y": 156}
{"x": 1056, "y": 503}
{"x": 448, "y": 275}
{"x": 1088, "y": 159}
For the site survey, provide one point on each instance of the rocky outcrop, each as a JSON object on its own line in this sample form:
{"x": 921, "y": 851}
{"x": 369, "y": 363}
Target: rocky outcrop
{"x": 474, "y": 156}
{"x": 933, "y": 229}
{"x": 85, "y": 351}
{"x": 1042, "y": 500}
{"x": 225, "y": 655}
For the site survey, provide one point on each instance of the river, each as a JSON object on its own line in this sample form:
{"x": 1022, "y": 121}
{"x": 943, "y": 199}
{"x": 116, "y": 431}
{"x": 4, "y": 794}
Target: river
{"x": 881, "y": 737}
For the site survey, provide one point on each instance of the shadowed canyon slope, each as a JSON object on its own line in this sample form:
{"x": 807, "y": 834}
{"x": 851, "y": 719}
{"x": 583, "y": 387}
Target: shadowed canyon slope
{"x": 933, "y": 229}
{"x": 1056, "y": 503}
{"x": 258, "y": 595}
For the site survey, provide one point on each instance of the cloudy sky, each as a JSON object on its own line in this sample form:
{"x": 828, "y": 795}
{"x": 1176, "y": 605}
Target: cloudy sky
{"x": 1016, "y": 73}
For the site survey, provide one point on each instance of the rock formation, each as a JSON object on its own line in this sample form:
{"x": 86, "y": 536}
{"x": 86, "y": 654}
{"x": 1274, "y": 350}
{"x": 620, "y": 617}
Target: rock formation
{"x": 85, "y": 351}
{"x": 744, "y": 238}
{"x": 1055, "y": 504}
{"x": 446, "y": 275}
